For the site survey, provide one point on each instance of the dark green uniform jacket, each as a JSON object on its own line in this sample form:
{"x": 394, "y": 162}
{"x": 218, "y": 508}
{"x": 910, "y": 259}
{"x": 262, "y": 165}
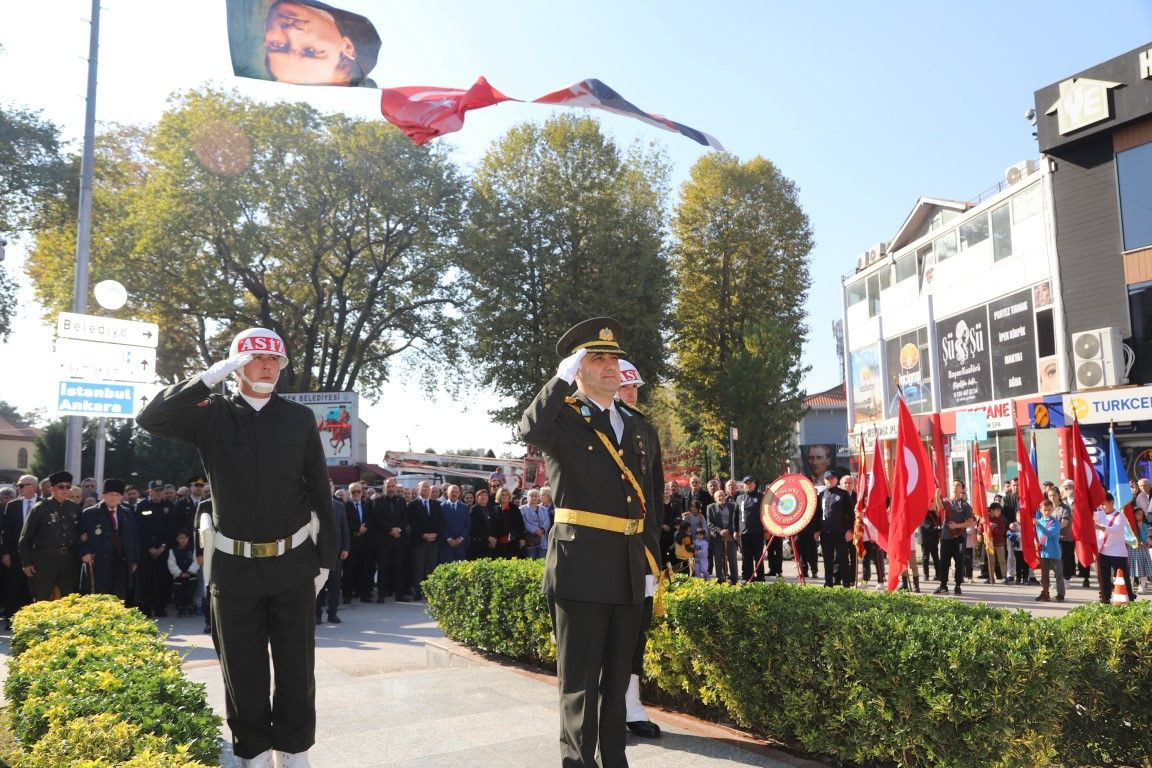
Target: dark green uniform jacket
{"x": 51, "y": 528}
{"x": 586, "y": 563}
{"x": 267, "y": 472}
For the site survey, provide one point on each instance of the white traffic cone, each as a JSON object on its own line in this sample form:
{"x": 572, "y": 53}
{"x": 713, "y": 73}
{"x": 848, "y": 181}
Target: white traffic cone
{"x": 1119, "y": 589}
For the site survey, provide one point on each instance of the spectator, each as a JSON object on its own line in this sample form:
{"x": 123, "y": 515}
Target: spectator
{"x": 330, "y": 594}
{"x": 506, "y": 517}
{"x": 722, "y": 527}
{"x": 153, "y": 581}
{"x": 836, "y": 515}
{"x": 1139, "y": 561}
{"x": 1011, "y": 503}
{"x": 536, "y": 525}
{"x": 455, "y": 524}
{"x": 183, "y": 567}
{"x": 48, "y": 542}
{"x": 424, "y": 523}
{"x": 1048, "y": 542}
{"x": 957, "y": 518}
{"x": 1111, "y": 528}
{"x": 389, "y": 530}
{"x": 930, "y": 543}
{"x": 16, "y": 593}
{"x": 1067, "y": 543}
{"x": 482, "y": 542}
{"x": 360, "y": 567}
{"x": 669, "y": 524}
{"x": 995, "y": 529}
{"x": 108, "y": 544}
{"x": 700, "y": 553}
{"x": 751, "y": 536}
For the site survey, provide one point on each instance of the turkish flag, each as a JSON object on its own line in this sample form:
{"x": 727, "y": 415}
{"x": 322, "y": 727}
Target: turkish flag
{"x": 1029, "y": 497}
{"x": 979, "y": 490}
{"x": 984, "y": 460}
{"x": 1088, "y": 495}
{"x": 911, "y": 493}
{"x": 877, "y": 508}
{"x": 424, "y": 112}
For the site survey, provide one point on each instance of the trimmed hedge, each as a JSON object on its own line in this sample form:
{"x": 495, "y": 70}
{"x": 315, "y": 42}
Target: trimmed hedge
{"x": 876, "y": 679}
{"x": 92, "y": 685}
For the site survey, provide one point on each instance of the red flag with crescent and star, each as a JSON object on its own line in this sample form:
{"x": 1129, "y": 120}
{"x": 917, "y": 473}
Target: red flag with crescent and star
{"x": 1088, "y": 495}
{"x": 911, "y": 492}
{"x": 877, "y": 508}
{"x": 1029, "y": 497}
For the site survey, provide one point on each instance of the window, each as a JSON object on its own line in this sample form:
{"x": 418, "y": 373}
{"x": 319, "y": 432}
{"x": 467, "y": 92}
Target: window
{"x": 874, "y": 294}
{"x": 857, "y": 292}
{"x": 1001, "y": 233}
{"x": 1134, "y": 179}
{"x": 1045, "y": 333}
{"x": 974, "y": 231}
{"x": 1026, "y": 204}
{"x": 906, "y": 266}
{"x": 22, "y": 458}
{"x": 945, "y": 246}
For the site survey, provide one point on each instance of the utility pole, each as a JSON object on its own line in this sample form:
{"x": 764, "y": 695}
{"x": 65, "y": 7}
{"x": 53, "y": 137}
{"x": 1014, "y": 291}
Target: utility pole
{"x": 75, "y": 438}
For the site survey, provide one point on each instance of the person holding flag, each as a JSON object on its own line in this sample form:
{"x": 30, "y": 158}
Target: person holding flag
{"x": 1139, "y": 562}
{"x": 1048, "y": 538}
{"x": 912, "y": 483}
{"x": 1030, "y": 498}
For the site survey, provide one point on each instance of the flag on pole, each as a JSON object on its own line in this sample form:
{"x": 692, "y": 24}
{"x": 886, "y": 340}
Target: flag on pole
{"x": 911, "y": 493}
{"x": 1088, "y": 495}
{"x": 1030, "y": 497}
{"x": 1118, "y": 481}
{"x": 981, "y": 471}
{"x": 861, "y": 501}
{"x": 877, "y": 509}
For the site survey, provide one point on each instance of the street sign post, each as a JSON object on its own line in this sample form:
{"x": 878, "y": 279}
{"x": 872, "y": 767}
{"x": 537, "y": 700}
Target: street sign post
{"x": 80, "y": 359}
{"x": 107, "y": 329}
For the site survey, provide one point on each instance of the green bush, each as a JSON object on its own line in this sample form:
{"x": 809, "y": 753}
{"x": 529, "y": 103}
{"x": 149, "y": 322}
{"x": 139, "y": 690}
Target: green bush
{"x": 83, "y": 657}
{"x": 876, "y": 679}
{"x": 104, "y": 741}
{"x": 494, "y": 605}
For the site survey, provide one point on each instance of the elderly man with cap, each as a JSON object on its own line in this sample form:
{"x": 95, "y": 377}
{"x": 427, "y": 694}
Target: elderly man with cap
{"x": 269, "y": 544}
{"x": 751, "y": 528}
{"x": 836, "y": 515}
{"x": 48, "y": 542}
{"x": 605, "y": 470}
{"x": 108, "y": 543}
{"x": 16, "y": 594}
{"x": 153, "y": 582}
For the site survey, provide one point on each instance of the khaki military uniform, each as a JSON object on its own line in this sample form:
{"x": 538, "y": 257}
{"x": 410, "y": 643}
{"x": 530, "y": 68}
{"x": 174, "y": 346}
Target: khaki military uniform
{"x": 48, "y": 542}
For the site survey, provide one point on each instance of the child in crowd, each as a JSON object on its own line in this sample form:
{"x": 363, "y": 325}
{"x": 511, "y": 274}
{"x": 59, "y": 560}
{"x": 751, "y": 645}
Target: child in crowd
{"x": 1016, "y": 565}
{"x": 701, "y": 553}
{"x": 183, "y": 567}
{"x": 1139, "y": 561}
{"x": 684, "y": 548}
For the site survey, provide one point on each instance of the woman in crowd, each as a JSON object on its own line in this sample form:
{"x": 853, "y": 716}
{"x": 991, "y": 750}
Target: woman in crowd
{"x": 1139, "y": 561}
{"x": 508, "y": 525}
{"x": 481, "y": 541}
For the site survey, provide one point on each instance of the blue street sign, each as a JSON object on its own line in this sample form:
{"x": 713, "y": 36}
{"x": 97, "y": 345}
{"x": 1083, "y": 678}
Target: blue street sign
{"x": 95, "y": 398}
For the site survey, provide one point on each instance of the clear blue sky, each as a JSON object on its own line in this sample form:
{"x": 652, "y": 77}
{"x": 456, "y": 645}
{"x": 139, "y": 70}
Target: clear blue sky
{"x": 866, "y": 106}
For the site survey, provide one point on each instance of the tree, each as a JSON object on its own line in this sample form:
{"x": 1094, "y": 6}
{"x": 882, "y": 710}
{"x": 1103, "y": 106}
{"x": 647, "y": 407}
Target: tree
{"x": 331, "y": 231}
{"x": 31, "y": 165}
{"x": 742, "y": 274}
{"x": 130, "y": 453}
{"x": 562, "y": 227}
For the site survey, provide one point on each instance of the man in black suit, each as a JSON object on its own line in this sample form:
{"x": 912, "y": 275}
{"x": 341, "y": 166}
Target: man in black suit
{"x": 751, "y": 529}
{"x": 389, "y": 530}
{"x": 722, "y": 525}
{"x": 424, "y": 522}
{"x": 836, "y": 519}
{"x": 605, "y": 470}
{"x": 17, "y": 595}
{"x": 361, "y": 562}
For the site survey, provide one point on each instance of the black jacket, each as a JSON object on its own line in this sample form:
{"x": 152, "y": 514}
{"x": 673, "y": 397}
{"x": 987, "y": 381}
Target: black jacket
{"x": 842, "y": 516}
{"x": 268, "y": 474}
{"x": 585, "y": 563}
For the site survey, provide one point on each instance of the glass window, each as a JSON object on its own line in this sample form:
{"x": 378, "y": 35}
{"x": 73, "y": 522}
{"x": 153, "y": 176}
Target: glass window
{"x": 1001, "y": 233}
{"x": 874, "y": 294}
{"x": 1045, "y": 333}
{"x": 22, "y": 458}
{"x": 1134, "y": 178}
{"x": 1026, "y": 204}
{"x": 906, "y": 266}
{"x": 857, "y": 292}
{"x": 974, "y": 231}
{"x": 945, "y": 246}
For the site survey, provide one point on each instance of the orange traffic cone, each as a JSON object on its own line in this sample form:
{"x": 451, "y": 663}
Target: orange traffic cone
{"x": 1119, "y": 589}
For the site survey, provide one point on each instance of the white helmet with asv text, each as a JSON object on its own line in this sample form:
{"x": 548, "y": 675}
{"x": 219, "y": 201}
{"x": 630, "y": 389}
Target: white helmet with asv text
{"x": 258, "y": 341}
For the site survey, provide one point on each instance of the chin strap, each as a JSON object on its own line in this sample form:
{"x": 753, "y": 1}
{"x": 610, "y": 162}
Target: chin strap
{"x": 260, "y": 387}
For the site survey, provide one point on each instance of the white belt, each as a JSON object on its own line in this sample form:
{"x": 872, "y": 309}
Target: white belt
{"x": 261, "y": 548}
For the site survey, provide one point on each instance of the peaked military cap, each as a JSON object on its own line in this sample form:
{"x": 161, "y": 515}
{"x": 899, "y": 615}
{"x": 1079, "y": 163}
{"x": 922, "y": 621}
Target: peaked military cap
{"x": 599, "y": 334}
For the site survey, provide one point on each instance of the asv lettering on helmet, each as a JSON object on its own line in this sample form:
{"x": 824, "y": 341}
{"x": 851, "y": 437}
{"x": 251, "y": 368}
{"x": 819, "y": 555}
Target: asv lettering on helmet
{"x": 258, "y": 344}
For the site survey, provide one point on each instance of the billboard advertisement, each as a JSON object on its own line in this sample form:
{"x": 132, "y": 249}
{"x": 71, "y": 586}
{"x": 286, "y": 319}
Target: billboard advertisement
{"x": 337, "y": 417}
{"x": 908, "y": 372}
{"x": 965, "y": 361}
{"x": 867, "y": 393}
{"x": 1012, "y": 330}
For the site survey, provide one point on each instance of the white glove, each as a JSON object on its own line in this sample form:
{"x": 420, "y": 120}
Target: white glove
{"x": 321, "y": 580}
{"x": 219, "y": 371}
{"x": 570, "y": 365}
{"x": 649, "y": 585}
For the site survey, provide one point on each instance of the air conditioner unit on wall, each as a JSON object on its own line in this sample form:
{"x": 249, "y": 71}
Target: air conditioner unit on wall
{"x": 1098, "y": 358}
{"x": 1014, "y": 173}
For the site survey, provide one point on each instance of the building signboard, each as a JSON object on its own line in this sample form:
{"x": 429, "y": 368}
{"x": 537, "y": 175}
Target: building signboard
{"x": 908, "y": 372}
{"x": 965, "y": 364}
{"x": 1012, "y": 332}
{"x": 1127, "y": 404}
{"x": 867, "y": 392}
{"x": 337, "y": 417}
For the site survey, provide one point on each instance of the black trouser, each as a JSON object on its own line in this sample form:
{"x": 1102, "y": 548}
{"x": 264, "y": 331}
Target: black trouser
{"x": 110, "y": 576}
{"x": 873, "y": 554}
{"x": 243, "y": 629}
{"x": 835, "y": 552}
{"x": 359, "y": 568}
{"x": 55, "y": 569}
{"x": 809, "y": 555}
{"x": 931, "y": 549}
{"x": 775, "y": 556}
{"x": 390, "y": 567}
{"x": 1107, "y": 567}
{"x": 642, "y": 642}
{"x": 330, "y": 592}
{"x": 1068, "y": 556}
{"x": 951, "y": 550}
{"x": 751, "y": 548}
{"x": 153, "y": 583}
{"x": 425, "y": 557}
{"x": 19, "y": 593}
{"x": 968, "y": 555}
{"x": 595, "y": 648}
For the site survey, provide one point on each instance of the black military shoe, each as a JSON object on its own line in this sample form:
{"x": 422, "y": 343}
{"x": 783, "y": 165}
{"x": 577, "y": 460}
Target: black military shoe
{"x": 645, "y": 729}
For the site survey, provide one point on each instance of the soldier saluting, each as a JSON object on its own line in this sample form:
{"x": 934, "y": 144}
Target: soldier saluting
{"x": 265, "y": 548}
{"x": 604, "y": 467}
{"x": 48, "y": 542}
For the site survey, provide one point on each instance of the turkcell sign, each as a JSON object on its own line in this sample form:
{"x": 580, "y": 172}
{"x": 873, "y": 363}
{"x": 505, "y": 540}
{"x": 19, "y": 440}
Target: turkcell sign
{"x": 1129, "y": 404}
{"x": 95, "y": 398}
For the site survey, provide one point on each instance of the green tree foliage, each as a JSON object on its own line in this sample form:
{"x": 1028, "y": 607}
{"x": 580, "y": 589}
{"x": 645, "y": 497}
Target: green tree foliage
{"x": 562, "y": 226}
{"x": 130, "y": 454}
{"x": 31, "y": 165}
{"x": 229, "y": 213}
{"x": 742, "y": 274}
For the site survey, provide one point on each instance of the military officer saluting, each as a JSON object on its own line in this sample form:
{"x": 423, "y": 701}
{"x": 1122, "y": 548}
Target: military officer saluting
{"x": 607, "y": 481}
{"x": 48, "y": 542}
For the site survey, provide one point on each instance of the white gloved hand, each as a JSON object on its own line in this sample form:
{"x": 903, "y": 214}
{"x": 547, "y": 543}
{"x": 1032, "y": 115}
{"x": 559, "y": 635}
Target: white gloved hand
{"x": 570, "y": 365}
{"x": 321, "y": 579}
{"x": 217, "y": 372}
